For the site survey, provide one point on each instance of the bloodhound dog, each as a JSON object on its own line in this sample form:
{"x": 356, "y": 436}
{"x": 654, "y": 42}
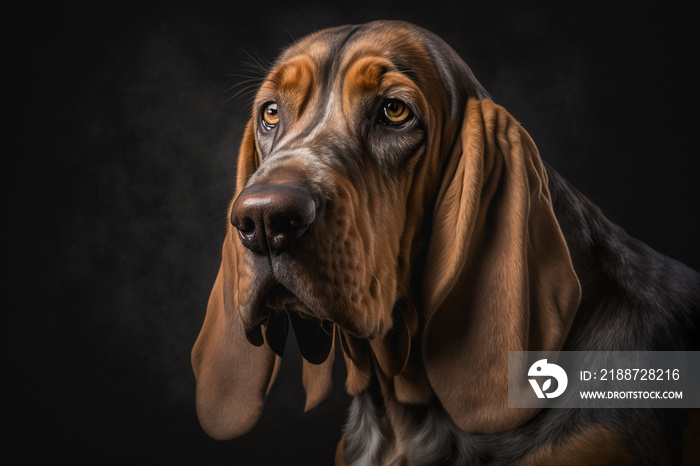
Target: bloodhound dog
{"x": 385, "y": 204}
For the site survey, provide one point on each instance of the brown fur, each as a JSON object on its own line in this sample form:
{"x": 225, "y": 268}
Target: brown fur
{"x": 436, "y": 248}
{"x": 501, "y": 279}
{"x": 493, "y": 174}
{"x": 339, "y": 454}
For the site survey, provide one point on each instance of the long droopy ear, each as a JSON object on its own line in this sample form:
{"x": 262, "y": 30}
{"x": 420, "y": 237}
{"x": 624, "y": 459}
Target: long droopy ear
{"x": 499, "y": 275}
{"x": 233, "y": 376}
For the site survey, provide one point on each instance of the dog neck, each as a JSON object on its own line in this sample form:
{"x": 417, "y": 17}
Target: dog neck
{"x": 620, "y": 275}
{"x": 382, "y": 430}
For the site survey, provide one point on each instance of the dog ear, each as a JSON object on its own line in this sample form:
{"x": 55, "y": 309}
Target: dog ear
{"x": 499, "y": 276}
{"x": 248, "y": 160}
{"x": 233, "y": 376}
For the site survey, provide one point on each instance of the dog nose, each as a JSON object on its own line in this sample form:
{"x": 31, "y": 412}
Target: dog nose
{"x": 272, "y": 216}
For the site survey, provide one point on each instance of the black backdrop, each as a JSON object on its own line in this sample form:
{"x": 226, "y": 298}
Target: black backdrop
{"x": 121, "y": 162}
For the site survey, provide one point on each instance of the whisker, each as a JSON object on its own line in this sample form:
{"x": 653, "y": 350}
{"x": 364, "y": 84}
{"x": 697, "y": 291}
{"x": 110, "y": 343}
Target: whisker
{"x": 291, "y": 36}
{"x": 247, "y": 76}
{"x": 245, "y": 82}
{"x": 259, "y": 63}
{"x": 250, "y": 89}
{"x": 254, "y": 73}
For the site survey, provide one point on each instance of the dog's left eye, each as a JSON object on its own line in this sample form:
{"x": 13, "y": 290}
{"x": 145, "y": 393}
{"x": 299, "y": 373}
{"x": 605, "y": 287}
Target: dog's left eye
{"x": 395, "y": 112}
{"x": 270, "y": 117}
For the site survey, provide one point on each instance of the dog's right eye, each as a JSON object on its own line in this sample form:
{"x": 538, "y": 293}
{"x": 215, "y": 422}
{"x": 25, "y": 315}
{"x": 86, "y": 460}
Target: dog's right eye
{"x": 270, "y": 117}
{"x": 395, "y": 113}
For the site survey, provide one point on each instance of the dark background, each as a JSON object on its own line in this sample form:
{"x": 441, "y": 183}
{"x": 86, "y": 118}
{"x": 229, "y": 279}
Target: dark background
{"x": 121, "y": 161}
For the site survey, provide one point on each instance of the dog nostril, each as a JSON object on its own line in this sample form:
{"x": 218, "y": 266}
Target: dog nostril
{"x": 244, "y": 225}
{"x": 247, "y": 230}
{"x": 289, "y": 220}
{"x": 247, "y": 237}
{"x": 283, "y": 230}
{"x": 285, "y": 225}
{"x": 279, "y": 242}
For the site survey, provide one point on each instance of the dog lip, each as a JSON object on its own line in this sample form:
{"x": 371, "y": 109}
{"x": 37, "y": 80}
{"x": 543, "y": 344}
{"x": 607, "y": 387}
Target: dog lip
{"x": 275, "y": 297}
{"x": 309, "y": 308}
{"x": 253, "y": 313}
{"x": 277, "y": 310}
{"x": 313, "y": 337}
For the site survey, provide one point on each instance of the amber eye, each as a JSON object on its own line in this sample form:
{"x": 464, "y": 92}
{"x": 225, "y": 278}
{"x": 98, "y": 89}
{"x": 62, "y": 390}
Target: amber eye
{"x": 396, "y": 112}
{"x": 270, "y": 117}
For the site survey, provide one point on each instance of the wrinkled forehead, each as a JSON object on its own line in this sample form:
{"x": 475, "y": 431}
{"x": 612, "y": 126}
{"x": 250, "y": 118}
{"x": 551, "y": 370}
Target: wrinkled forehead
{"x": 400, "y": 43}
{"x": 416, "y": 53}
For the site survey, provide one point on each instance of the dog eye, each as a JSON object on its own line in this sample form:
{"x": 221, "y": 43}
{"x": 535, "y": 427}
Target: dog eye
{"x": 395, "y": 112}
{"x": 270, "y": 117}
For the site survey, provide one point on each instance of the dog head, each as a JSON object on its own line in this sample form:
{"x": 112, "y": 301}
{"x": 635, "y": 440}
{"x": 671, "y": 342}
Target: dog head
{"x": 381, "y": 202}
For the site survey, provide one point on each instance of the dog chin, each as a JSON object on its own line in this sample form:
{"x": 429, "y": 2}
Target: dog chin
{"x": 278, "y": 308}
